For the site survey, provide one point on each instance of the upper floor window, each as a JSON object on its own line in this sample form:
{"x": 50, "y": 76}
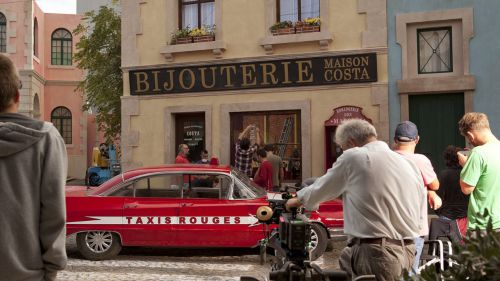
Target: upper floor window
{"x": 297, "y": 10}
{"x": 61, "y": 118}
{"x": 35, "y": 37}
{"x": 3, "y": 33}
{"x": 434, "y": 50}
{"x": 62, "y": 47}
{"x": 196, "y": 13}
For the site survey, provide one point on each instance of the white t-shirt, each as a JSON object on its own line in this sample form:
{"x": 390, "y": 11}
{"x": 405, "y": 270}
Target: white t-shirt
{"x": 381, "y": 190}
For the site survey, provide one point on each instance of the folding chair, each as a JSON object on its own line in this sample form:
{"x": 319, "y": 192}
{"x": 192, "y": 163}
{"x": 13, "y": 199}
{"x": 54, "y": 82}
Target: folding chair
{"x": 440, "y": 248}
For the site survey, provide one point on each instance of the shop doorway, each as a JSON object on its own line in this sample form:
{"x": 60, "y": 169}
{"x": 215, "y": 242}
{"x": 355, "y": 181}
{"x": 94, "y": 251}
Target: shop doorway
{"x": 333, "y": 150}
{"x": 340, "y": 114}
{"x": 281, "y": 128}
{"x": 436, "y": 117}
{"x": 190, "y": 129}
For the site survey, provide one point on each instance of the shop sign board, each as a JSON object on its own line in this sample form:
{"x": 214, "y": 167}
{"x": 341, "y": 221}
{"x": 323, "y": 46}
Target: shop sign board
{"x": 314, "y": 71}
{"x": 347, "y": 112}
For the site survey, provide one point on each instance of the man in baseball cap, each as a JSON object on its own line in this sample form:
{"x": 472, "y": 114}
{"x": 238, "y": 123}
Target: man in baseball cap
{"x": 405, "y": 132}
{"x": 406, "y": 139}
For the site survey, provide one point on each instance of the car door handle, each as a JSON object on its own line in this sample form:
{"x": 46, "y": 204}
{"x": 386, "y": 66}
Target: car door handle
{"x": 187, "y": 204}
{"x": 128, "y": 206}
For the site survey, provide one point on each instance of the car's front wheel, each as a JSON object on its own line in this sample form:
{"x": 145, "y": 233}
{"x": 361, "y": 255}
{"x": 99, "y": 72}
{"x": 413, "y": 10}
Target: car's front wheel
{"x": 98, "y": 245}
{"x": 319, "y": 241}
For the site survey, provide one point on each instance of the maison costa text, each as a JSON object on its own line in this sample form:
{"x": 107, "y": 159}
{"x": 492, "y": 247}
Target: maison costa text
{"x": 359, "y": 68}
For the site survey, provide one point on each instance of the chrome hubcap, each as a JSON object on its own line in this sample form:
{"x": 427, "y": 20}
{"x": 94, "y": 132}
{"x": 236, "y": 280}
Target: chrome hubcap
{"x": 314, "y": 239}
{"x": 98, "y": 241}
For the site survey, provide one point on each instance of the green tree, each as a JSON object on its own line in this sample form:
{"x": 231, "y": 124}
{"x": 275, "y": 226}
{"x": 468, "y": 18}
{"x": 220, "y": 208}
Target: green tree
{"x": 99, "y": 54}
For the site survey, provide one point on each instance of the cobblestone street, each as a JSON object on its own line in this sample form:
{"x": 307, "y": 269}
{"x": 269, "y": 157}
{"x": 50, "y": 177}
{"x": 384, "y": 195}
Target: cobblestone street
{"x": 142, "y": 263}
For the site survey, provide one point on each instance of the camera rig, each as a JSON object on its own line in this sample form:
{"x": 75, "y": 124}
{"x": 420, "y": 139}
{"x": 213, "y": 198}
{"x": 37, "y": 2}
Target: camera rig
{"x": 291, "y": 245}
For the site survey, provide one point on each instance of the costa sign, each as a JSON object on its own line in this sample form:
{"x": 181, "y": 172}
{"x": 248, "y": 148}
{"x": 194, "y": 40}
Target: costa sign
{"x": 358, "y": 68}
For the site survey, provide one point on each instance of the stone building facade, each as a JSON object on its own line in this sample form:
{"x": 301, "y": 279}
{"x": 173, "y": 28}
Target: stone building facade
{"x": 443, "y": 62}
{"x": 42, "y": 47}
{"x": 296, "y": 87}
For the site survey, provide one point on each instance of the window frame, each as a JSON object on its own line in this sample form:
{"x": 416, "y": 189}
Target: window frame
{"x": 299, "y": 10}
{"x": 3, "y": 22}
{"x": 68, "y": 137}
{"x": 449, "y": 29}
{"x": 61, "y": 51}
{"x": 35, "y": 37}
{"x": 191, "y": 2}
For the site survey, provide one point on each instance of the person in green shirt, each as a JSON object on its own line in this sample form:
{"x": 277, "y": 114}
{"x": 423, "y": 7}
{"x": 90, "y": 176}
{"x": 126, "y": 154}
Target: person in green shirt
{"x": 480, "y": 176}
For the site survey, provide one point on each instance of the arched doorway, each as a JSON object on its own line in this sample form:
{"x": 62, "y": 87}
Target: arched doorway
{"x": 332, "y": 150}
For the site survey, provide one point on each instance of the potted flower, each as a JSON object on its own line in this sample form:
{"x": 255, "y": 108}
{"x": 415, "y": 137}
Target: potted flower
{"x": 282, "y": 27}
{"x": 181, "y": 36}
{"x": 308, "y": 25}
{"x": 204, "y": 34}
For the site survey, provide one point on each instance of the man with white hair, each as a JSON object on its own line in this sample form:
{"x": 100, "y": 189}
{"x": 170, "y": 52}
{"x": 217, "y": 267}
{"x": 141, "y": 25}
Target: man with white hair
{"x": 381, "y": 215}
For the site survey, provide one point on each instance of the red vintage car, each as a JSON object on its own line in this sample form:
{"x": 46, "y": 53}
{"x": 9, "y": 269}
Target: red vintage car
{"x": 178, "y": 206}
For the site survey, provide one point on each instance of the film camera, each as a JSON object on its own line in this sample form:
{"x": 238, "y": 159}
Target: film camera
{"x": 290, "y": 245}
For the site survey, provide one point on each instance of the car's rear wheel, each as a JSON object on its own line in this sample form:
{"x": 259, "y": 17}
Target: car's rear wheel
{"x": 319, "y": 241}
{"x": 98, "y": 245}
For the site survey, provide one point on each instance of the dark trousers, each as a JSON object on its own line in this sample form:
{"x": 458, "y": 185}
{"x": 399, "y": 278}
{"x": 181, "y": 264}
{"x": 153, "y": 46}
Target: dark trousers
{"x": 385, "y": 261}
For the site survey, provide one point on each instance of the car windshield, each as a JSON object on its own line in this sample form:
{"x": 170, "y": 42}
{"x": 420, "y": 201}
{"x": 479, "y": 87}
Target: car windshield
{"x": 252, "y": 187}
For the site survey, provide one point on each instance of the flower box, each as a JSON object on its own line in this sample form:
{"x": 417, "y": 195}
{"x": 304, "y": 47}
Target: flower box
{"x": 283, "y": 31}
{"x": 203, "y": 38}
{"x": 307, "y": 28}
{"x": 183, "y": 40}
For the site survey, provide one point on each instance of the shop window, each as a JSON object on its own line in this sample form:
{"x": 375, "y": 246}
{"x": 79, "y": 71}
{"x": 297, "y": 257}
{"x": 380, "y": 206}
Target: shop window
{"x": 3, "y": 33}
{"x": 35, "y": 37}
{"x": 297, "y": 10}
{"x": 62, "y": 47}
{"x": 434, "y": 50}
{"x": 196, "y": 13}
{"x": 281, "y": 128}
{"x": 61, "y": 118}
{"x": 190, "y": 130}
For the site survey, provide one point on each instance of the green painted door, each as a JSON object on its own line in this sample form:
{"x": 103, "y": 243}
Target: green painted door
{"x": 436, "y": 117}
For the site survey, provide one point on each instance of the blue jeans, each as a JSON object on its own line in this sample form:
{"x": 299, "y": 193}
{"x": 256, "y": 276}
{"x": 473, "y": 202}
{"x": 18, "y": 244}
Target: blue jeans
{"x": 419, "y": 245}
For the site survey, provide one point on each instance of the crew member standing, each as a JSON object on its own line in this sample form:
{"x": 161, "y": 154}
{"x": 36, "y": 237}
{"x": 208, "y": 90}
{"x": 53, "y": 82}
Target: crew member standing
{"x": 277, "y": 163}
{"x": 380, "y": 215}
{"x": 245, "y": 151}
{"x": 406, "y": 139}
{"x": 264, "y": 175}
{"x": 480, "y": 176}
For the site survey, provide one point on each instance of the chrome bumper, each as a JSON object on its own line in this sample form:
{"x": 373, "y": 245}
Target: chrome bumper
{"x": 337, "y": 234}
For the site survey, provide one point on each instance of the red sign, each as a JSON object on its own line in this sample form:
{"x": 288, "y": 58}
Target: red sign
{"x": 345, "y": 113}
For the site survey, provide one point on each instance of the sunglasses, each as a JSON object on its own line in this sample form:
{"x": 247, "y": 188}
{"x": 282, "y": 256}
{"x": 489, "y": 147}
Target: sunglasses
{"x": 20, "y": 84}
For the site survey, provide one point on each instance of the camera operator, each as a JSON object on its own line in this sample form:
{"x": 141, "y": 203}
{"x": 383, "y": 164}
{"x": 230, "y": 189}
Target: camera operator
{"x": 382, "y": 193}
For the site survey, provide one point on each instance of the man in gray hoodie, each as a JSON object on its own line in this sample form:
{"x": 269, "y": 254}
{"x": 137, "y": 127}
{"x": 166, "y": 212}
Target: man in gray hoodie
{"x": 33, "y": 167}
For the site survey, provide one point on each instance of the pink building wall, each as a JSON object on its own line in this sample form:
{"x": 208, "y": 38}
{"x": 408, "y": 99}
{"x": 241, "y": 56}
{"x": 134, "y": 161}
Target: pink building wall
{"x": 39, "y": 60}
{"x": 47, "y": 86}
